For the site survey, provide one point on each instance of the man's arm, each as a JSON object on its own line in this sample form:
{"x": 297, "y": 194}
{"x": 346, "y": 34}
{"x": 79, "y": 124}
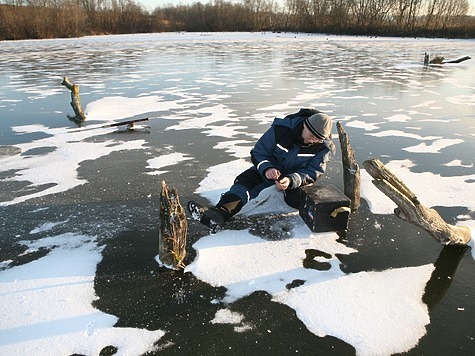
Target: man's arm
{"x": 311, "y": 172}
{"x": 262, "y": 152}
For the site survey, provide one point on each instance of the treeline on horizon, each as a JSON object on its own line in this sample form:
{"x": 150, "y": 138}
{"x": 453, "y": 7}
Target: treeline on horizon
{"x": 40, "y": 19}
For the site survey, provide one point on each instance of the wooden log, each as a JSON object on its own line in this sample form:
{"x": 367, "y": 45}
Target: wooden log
{"x": 173, "y": 229}
{"x": 411, "y": 210}
{"x": 351, "y": 169}
{"x": 379, "y": 171}
{"x": 459, "y": 60}
{"x": 441, "y": 60}
{"x": 75, "y": 100}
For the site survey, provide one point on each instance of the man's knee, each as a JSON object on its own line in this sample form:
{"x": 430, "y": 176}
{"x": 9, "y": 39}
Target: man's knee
{"x": 240, "y": 191}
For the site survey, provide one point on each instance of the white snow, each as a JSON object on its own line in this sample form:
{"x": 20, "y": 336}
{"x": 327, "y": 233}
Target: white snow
{"x": 458, "y": 163}
{"x": 379, "y": 313}
{"x": 244, "y": 263}
{"x": 226, "y": 316}
{"x": 46, "y": 305}
{"x": 46, "y": 226}
{"x": 58, "y": 167}
{"x": 435, "y": 147}
{"x": 220, "y": 178}
{"x": 376, "y": 312}
{"x": 164, "y": 161}
{"x": 111, "y": 108}
{"x": 397, "y": 133}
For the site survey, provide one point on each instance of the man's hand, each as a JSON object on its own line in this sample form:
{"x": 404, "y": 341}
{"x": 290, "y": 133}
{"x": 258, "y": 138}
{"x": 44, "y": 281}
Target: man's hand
{"x": 282, "y": 184}
{"x": 272, "y": 174}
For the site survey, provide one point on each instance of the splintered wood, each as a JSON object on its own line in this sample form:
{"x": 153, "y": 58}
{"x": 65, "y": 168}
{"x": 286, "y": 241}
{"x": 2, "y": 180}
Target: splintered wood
{"x": 75, "y": 100}
{"x": 173, "y": 229}
{"x": 411, "y": 210}
{"x": 351, "y": 170}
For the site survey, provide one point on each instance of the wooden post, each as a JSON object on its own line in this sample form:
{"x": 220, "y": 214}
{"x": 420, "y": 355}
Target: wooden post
{"x": 411, "y": 210}
{"x": 426, "y": 59}
{"x": 173, "y": 229}
{"x": 75, "y": 100}
{"x": 351, "y": 170}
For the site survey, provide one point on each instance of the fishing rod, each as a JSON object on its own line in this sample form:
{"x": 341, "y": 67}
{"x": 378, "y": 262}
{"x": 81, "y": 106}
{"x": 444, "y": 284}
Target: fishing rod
{"x": 130, "y": 125}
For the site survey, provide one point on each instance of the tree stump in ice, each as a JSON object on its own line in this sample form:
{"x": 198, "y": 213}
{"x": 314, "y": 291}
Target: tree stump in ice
{"x": 441, "y": 60}
{"x": 411, "y": 210}
{"x": 75, "y": 100}
{"x": 173, "y": 229}
{"x": 351, "y": 170}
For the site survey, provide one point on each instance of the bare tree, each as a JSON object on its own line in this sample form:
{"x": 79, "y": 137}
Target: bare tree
{"x": 371, "y": 14}
{"x": 406, "y": 12}
{"x": 260, "y": 13}
{"x": 340, "y": 14}
{"x": 61, "y": 18}
{"x": 444, "y": 13}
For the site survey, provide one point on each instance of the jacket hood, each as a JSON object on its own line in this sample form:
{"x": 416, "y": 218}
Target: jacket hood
{"x": 296, "y": 121}
{"x": 290, "y": 122}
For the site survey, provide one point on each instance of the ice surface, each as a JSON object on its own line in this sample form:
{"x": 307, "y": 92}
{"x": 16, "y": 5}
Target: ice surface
{"x": 377, "y": 312}
{"x": 48, "y": 301}
{"x": 49, "y": 305}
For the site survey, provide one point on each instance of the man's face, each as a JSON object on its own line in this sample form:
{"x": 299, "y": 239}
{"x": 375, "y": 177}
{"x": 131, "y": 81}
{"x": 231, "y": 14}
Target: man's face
{"x": 308, "y": 138}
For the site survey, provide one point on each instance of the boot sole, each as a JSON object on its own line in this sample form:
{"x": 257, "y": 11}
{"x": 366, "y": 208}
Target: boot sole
{"x": 196, "y": 211}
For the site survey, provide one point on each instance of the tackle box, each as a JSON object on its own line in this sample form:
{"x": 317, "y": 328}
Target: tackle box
{"x": 324, "y": 208}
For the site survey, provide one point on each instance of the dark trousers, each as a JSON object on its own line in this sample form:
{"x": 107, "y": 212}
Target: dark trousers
{"x": 247, "y": 186}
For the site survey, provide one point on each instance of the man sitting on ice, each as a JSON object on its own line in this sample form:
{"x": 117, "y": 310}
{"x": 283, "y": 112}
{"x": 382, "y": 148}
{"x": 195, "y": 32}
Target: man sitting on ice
{"x": 292, "y": 153}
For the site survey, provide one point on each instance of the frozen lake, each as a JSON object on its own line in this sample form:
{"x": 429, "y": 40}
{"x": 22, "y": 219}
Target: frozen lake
{"x": 79, "y": 205}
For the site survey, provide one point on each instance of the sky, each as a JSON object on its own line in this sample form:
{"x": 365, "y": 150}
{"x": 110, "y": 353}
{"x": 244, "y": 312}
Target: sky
{"x": 152, "y": 4}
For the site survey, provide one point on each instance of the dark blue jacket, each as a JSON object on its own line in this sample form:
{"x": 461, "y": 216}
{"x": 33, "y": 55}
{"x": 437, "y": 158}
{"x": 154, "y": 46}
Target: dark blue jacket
{"x": 281, "y": 147}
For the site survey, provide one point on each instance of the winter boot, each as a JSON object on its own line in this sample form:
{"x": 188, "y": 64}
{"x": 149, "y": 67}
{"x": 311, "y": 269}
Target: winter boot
{"x": 210, "y": 217}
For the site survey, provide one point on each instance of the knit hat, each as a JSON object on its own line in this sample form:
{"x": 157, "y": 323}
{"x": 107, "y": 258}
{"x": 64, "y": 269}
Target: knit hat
{"x": 320, "y": 125}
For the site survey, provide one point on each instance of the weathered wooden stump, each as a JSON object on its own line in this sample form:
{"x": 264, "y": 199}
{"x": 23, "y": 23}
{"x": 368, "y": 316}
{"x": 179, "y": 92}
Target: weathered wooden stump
{"x": 351, "y": 170}
{"x": 75, "y": 100}
{"x": 411, "y": 210}
{"x": 173, "y": 229}
{"x": 441, "y": 60}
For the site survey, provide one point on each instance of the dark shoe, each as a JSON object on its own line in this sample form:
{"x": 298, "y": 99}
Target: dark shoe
{"x": 207, "y": 216}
